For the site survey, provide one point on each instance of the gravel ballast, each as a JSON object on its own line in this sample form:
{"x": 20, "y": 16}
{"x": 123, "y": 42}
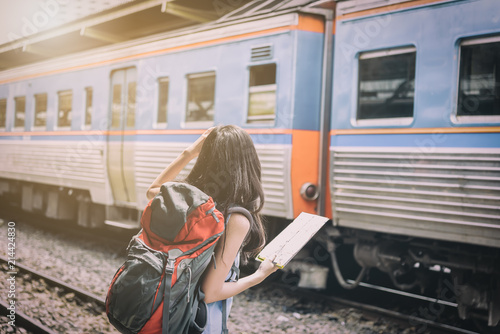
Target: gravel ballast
{"x": 90, "y": 265}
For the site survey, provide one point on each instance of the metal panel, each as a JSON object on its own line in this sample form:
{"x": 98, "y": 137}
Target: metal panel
{"x": 74, "y": 164}
{"x": 276, "y": 179}
{"x": 152, "y": 158}
{"x": 448, "y": 194}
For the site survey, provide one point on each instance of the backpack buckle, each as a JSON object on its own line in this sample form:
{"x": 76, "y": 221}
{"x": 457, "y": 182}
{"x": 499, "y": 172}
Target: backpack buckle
{"x": 169, "y": 268}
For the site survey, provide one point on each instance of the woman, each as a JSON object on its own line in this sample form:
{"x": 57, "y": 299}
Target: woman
{"x": 228, "y": 170}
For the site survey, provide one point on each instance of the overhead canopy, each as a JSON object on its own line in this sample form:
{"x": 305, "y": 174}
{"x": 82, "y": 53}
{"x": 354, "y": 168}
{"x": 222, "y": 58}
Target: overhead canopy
{"x": 136, "y": 19}
{"x": 129, "y": 21}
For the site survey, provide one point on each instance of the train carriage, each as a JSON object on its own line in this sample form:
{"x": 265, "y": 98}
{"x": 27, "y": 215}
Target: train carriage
{"x": 415, "y": 142}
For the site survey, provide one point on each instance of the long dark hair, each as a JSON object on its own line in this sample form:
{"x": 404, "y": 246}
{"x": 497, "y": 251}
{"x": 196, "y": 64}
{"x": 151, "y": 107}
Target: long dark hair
{"x": 228, "y": 169}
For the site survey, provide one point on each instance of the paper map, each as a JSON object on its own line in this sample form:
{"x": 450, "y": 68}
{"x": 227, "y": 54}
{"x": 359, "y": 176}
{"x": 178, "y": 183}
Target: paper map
{"x": 288, "y": 243}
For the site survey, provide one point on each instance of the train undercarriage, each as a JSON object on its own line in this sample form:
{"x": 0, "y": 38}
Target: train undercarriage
{"x": 471, "y": 274}
{"x": 64, "y": 203}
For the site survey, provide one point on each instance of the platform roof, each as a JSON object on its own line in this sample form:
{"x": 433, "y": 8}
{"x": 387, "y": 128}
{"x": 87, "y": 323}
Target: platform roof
{"x": 136, "y": 19}
{"x": 127, "y": 21}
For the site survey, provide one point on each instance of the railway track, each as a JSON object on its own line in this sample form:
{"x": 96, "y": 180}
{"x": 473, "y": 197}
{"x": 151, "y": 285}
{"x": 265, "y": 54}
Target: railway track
{"x": 84, "y": 295}
{"x": 307, "y": 294}
{"x": 374, "y": 310}
{"x": 35, "y": 326}
{"x": 29, "y": 323}
{"x": 22, "y": 320}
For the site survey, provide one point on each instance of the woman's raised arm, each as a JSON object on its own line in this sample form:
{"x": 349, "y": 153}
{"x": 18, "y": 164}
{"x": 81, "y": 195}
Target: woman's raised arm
{"x": 172, "y": 170}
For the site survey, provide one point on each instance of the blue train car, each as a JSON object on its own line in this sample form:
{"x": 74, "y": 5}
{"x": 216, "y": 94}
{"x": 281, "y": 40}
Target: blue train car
{"x": 415, "y": 142}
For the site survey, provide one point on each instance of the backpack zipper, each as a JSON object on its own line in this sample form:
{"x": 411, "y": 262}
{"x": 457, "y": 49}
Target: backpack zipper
{"x": 189, "y": 282}
{"x": 203, "y": 244}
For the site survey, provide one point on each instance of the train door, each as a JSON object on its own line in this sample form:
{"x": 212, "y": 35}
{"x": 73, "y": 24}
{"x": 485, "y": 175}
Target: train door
{"x": 120, "y": 145}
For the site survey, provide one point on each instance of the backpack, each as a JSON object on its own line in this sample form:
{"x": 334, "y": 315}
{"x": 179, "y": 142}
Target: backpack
{"x": 156, "y": 290}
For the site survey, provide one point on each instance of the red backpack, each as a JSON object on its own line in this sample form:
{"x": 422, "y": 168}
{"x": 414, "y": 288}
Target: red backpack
{"x": 156, "y": 290}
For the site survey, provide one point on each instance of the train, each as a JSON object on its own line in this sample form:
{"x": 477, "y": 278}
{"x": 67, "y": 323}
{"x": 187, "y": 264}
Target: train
{"x": 383, "y": 116}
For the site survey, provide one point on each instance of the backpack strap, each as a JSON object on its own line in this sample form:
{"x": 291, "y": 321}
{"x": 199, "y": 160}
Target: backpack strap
{"x": 241, "y": 210}
{"x": 169, "y": 270}
{"x": 224, "y": 317}
{"x": 235, "y": 271}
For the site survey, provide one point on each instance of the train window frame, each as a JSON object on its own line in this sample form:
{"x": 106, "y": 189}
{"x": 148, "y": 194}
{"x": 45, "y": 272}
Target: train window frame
{"x": 36, "y": 111}
{"x": 87, "y": 106}
{"x": 3, "y": 110}
{"x": 470, "y": 119}
{"x": 23, "y": 126}
{"x": 159, "y": 82}
{"x": 262, "y": 121}
{"x": 60, "y": 94}
{"x": 391, "y": 121}
{"x": 203, "y": 123}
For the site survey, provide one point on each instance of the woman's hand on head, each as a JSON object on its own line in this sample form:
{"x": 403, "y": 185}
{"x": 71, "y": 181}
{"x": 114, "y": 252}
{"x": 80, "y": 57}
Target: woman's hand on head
{"x": 176, "y": 166}
{"x": 195, "y": 148}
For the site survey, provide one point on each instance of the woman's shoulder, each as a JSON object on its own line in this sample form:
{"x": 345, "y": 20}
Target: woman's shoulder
{"x": 238, "y": 222}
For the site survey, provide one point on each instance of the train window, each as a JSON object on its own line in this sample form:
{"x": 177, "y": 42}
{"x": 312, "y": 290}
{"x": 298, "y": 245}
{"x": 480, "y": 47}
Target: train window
{"x": 65, "y": 107}
{"x": 386, "y": 84}
{"x": 3, "y": 113}
{"x": 262, "y": 94}
{"x": 162, "y": 100}
{"x": 123, "y": 99}
{"x": 116, "y": 108}
{"x": 20, "y": 111}
{"x": 40, "y": 110}
{"x": 201, "y": 97}
{"x": 479, "y": 83}
{"x": 88, "y": 106}
{"x": 131, "y": 92}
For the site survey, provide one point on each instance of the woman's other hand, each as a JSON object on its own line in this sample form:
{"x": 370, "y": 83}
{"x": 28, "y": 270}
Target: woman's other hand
{"x": 266, "y": 268}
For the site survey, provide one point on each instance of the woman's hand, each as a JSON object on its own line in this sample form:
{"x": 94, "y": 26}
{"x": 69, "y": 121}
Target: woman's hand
{"x": 266, "y": 268}
{"x": 175, "y": 167}
{"x": 195, "y": 148}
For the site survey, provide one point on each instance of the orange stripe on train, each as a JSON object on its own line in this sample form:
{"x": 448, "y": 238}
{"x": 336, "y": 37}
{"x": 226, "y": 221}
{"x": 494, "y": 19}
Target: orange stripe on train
{"x": 271, "y": 131}
{"x": 478, "y": 129}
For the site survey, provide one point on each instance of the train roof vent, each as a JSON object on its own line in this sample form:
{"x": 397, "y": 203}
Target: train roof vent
{"x": 263, "y": 52}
